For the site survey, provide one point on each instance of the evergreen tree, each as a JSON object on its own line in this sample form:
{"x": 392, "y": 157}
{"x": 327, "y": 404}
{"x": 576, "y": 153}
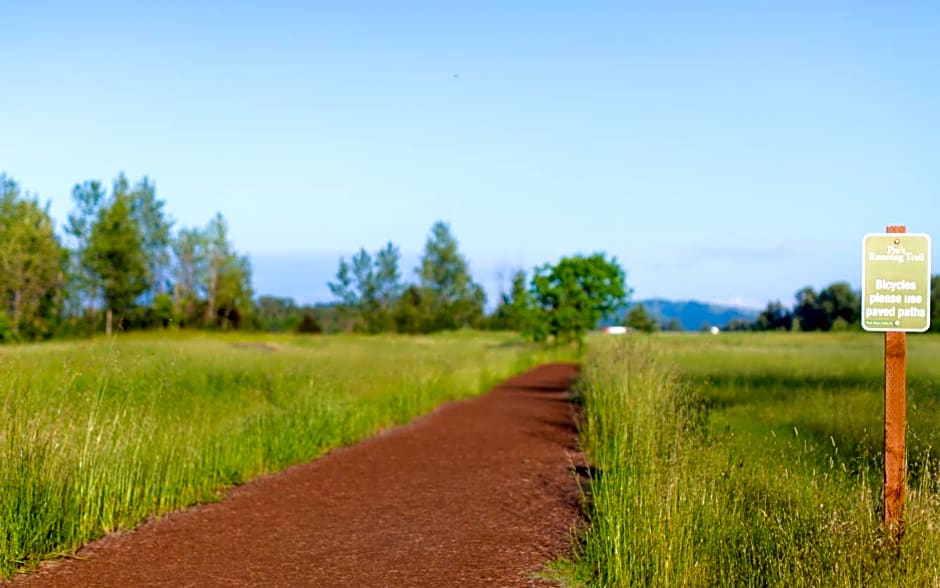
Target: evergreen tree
{"x": 388, "y": 286}
{"x": 83, "y": 291}
{"x": 454, "y": 300}
{"x": 115, "y": 257}
{"x": 155, "y": 229}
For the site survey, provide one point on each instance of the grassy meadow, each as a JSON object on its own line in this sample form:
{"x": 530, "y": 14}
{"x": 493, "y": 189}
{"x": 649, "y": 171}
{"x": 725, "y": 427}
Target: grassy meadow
{"x": 753, "y": 460}
{"x": 96, "y": 436}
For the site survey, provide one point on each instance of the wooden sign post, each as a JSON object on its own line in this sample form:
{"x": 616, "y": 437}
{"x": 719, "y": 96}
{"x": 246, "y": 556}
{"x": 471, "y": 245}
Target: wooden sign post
{"x": 895, "y": 424}
{"x": 896, "y": 300}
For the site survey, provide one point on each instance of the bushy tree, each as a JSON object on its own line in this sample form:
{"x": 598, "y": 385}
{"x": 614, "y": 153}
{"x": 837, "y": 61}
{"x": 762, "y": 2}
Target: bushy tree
{"x": 841, "y": 304}
{"x": 836, "y": 306}
{"x": 412, "y": 311}
{"x": 32, "y": 265}
{"x": 572, "y": 296}
{"x": 115, "y": 258}
{"x": 309, "y": 325}
{"x": 234, "y": 292}
{"x": 639, "y": 319}
{"x": 514, "y": 308}
{"x": 740, "y": 324}
{"x": 673, "y": 325}
{"x": 275, "y": 313}
{"x": 775, "y": 317}
{"x": 808, "y": 310}
{"x": 104, "y": 271}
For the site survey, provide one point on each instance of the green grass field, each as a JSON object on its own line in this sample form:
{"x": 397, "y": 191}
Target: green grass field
{"x": 754, "y": 460}
{"x": 98, "y": 435}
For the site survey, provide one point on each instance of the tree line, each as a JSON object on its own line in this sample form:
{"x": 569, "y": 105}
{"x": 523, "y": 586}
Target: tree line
{"x": 560, "y": 303}
{"x": 837, "y": 307}
{"x": 122, "y": 264}
{"x": 119, "y": 264}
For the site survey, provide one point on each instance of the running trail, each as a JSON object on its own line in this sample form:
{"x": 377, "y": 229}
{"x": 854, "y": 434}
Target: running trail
{"x": 478, "y": 493}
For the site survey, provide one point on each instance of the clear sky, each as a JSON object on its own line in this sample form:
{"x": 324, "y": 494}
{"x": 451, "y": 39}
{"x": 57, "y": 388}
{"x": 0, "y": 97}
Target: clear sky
{"x": 730, "y": 152}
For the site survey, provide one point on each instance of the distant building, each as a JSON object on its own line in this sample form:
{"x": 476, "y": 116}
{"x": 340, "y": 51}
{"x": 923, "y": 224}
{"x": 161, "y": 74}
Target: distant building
{"x": 614, "y": 330}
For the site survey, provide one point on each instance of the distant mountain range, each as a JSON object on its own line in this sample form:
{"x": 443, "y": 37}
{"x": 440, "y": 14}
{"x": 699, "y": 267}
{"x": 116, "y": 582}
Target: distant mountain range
{"x": 691, "y": 314}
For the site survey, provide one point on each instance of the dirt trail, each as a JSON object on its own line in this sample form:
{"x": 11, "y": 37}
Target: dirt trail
{"x": 479, "y": 493}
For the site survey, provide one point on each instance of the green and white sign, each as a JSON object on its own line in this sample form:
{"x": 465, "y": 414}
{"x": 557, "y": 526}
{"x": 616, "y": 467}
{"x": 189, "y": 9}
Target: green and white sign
{"x": 896, "y": 282}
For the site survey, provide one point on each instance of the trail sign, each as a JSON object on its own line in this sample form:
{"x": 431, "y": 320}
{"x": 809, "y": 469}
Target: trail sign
{"x": 896, "y": 282}
{"x": 895, "y": 299}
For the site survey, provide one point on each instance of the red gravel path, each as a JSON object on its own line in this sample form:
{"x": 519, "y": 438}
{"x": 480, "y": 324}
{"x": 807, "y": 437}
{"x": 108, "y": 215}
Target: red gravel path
{"x": 479, "y": 493}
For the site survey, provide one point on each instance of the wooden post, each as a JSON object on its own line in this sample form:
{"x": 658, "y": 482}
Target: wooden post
{"x": 895, "y": 425}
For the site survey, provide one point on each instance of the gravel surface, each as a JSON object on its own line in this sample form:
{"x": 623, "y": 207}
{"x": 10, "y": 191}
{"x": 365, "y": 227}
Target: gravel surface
{"x": 479, "y": 493}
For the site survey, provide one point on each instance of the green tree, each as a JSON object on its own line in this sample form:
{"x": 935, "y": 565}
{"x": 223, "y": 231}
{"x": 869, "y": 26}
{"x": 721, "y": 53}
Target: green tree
{"x": 740, "y": 324}
{"x": 572, "y": 296}
{"x": 841, "y": 305}
{"x": 162, "y": 311}
{"x": 227, "y": 280}
{"x": 211, "y": 281}
{"x": 234, "y": 292}
{"x": 190, "y": 251}
{"x": 673, "y": 325}
{"x": 808, "y": 310}
{"x": 512, "y": 314}
{"x": 31, "y": 265}
{"x": 309, "y": 325}
{"x": 411, "y": 311}
{"x": 277, "y": 314}
{"x": 83, "y": 293}
{"x": 217, "y": 253}
{"x": 115, "y": 257}
{"x": 639, "y": 319}
{"x": 837, "y": 306}
{"x": 388, "y": 287}
{"x": 155, "y": 228}
{"x": 344, "y": 288}
{"x": 775, "y": 317}
{"x": 453, "y": 299}
{"x": 368, "y": 289}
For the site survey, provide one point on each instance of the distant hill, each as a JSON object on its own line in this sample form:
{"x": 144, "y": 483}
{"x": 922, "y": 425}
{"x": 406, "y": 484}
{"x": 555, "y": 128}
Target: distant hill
{"x": 692, "y": 314}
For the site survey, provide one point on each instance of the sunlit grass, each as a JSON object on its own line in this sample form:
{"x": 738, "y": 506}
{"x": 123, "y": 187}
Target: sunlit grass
{"x": 98, "y": 435}
{"x": 754, "y": 460}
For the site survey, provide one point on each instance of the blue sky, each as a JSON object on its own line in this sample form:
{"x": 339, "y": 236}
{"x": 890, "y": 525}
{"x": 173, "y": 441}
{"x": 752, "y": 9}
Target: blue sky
{"x": 730, "y": 152}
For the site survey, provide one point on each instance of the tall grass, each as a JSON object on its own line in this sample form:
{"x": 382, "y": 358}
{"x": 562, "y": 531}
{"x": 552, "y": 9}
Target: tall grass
{"x": 753, "y": 460}
{"x": 97, "y": 436}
